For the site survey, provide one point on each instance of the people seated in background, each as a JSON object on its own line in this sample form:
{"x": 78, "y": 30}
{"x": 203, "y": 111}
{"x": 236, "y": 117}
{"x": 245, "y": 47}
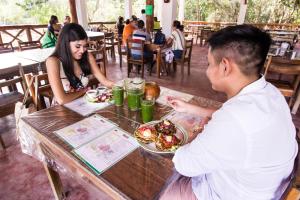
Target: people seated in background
{"x": 247, "y": 149}
{"x": 156, "y": 25}
{"x": 177, "y": 40}
{"x": 128, "y": 30}
{"x": 140, "y": 34}
{"x": 120, "y": 26}
{"x": 50, "y": 37}
{"x": 143, "y": 16}
{"x": 67, "y": 20}
{"x": 71, "y": 66}
{"x": 159, "y": 38}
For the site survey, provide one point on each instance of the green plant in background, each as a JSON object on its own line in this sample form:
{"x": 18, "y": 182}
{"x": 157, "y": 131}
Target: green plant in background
{"x": 258, "y": 11}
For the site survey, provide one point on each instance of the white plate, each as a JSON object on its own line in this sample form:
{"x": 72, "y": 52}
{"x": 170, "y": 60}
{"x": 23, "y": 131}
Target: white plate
{"x": 180, "y": 133}
{"x": 90, "y": 100}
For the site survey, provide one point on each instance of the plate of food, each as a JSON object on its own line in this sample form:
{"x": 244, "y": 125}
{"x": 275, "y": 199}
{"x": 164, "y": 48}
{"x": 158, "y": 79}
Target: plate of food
{"x": 161, "y": 136}
{"x": 99, "y": 95}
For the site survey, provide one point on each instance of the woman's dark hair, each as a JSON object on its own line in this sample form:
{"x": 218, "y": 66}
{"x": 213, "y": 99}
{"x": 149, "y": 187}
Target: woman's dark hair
{"x": 69, "y": 33}
{"x": 176, "y": 24}
{"x": 53, "y": 20}
{"x": 127, "y": 21}
{"x": 120, "y": 20}
{"x": 246, "y": 45}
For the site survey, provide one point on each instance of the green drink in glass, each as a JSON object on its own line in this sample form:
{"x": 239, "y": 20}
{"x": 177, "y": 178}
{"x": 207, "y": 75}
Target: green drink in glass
{"x": 118, "y": 95}
{"x": 134, "y": 98}
{"x": 147, "y": 109}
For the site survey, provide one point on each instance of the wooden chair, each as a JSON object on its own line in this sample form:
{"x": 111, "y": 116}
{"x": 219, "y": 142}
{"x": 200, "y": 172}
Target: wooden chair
{"x": 137, "y": 45}
{"x": 29, "y": 45}
{"x": 287, "y": 88}
{"x": 6, "y": 47}
{"x": 186, "y": 57}
{"x": 121, "y": 51}
{"x": 39, "y": 89}
{"x": 99, "y": 53}
{"x": 9, "y": 94}
{"x": 110, "y": 44}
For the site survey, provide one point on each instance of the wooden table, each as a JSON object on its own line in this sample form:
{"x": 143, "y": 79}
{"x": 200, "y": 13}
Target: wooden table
{"x": 9, "y": 62}
{"x": 93, "y": 34}
{"x": 37, "y": 55}
{"x": 140, "y": 175}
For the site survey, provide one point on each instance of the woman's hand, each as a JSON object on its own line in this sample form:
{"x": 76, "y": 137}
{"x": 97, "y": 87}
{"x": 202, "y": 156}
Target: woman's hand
{"x": 177, "y": 104}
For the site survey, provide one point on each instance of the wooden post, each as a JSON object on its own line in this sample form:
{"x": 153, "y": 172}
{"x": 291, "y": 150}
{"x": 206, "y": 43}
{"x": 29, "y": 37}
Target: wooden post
{"x": 1, "y": 41}
{"x": 28, "y": 33}
{"x": 73, "y": 11}
{"x": 149, "y": 18}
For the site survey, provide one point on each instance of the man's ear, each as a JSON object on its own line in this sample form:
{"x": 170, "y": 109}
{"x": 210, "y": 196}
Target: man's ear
{"x": 226, "y": 66}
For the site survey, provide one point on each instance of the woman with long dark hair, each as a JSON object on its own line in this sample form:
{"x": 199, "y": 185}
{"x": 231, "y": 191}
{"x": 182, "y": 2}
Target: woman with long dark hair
{"x": 177, "y": 39}
{"x": 71, "y": 67}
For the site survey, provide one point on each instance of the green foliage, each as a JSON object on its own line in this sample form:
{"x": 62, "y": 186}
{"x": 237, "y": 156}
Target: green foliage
{"x": 258, "y": 11}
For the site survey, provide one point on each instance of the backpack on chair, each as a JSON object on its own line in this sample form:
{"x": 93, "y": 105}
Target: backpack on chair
{"x": 159, "y": 38}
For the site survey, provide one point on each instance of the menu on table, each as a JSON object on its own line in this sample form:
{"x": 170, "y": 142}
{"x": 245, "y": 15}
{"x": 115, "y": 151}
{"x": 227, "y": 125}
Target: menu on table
{"x": 84, "y": 107}
{"x": 191, "y": 123}
{"x": 106, "y": 150}
{"x": 85, "y": 130}
{"x": 165, "y": 92}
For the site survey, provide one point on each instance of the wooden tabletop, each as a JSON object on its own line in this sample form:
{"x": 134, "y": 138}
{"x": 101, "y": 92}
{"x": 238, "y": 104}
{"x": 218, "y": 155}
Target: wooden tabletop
{"x": 140, "y": 175}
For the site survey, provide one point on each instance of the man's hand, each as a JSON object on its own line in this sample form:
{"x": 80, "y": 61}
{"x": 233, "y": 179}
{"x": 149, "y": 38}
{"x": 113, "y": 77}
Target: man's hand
{"x": 177, "y": 104}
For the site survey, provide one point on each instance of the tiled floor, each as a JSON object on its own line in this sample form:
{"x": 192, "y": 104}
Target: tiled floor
{"x": 23, "y": 178}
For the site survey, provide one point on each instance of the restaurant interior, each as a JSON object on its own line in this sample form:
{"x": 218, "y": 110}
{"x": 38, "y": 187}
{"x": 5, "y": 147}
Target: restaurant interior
{"x": 39, "y": 159}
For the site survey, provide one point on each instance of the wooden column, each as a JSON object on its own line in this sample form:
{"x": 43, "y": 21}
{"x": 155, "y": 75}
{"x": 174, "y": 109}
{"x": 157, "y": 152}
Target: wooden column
{"x": 149, "y": 18}
{"x": 73, "y": 11}
{"x": 28, "y": 33}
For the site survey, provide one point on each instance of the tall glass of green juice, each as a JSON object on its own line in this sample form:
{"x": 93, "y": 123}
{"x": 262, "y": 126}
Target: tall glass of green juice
{"x": 147, "y": 109}
{"x": 118, "y": 95}
{"x": 134, "y": 98}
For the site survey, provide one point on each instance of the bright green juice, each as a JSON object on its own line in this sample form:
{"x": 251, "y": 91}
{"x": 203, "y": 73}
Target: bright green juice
{"x": 134, "y": 99}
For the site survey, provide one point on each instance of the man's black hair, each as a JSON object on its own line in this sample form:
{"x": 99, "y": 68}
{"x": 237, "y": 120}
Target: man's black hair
{"x": 140, "y": 24}
{"x": 246, "y": 45}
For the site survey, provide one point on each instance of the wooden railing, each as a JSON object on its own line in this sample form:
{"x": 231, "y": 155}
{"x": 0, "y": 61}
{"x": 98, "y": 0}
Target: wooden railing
{"x": 13, "y": 33}
{"x": 264, "y": 26}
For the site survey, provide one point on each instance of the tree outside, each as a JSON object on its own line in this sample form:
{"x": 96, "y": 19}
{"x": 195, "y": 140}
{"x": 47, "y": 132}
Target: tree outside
{"x": 258, "y": 11}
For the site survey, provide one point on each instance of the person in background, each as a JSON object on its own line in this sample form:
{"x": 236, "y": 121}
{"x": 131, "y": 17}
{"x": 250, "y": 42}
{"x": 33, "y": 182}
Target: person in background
{"x": 50, "y": 37}
{"x": 140, "y": 34}
{"x": 120, "y": 26}
{"x": 127, "y": 21}
{"x": 128, "y": 30}
{"x": 143, "y": 16}
{"x": 71, "y": 67}
{"x": 248, "y": 148}
{"x": 177, "y": 40}
{"x": 156, "y": 25}
{"x": 67, "y": 20}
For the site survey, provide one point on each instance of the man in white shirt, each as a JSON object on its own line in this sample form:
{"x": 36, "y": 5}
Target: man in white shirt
{"x": 247, "y": 149}
{"x": 143, "y": 16}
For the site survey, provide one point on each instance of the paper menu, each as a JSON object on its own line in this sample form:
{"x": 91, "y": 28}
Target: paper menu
{"x": 83, "y": 107}
{"x": 165, "y": 92}
{"x": 85, "y": 130}
{"x": 106, "y": 150}
{"x": 191, "y": 123}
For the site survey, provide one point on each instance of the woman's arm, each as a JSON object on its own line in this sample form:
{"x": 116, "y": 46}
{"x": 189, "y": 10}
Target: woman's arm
{"x": 53, "y": 70}
{"x": 97, "y": 73}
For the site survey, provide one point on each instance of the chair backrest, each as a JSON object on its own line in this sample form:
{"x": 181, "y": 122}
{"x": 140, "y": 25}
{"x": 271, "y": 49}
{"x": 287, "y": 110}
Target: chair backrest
{"x": 109, "y": 38}
{"x": 10, "y": 93}
{"x": 188, "y": 49}
{"x": 6, "y": 47}
{"x": 40, "y": 86}
{"x": 99, "y": 41}
{"x": 100, "y": 56}
{"x": 29, "y": 45}
{"x": 135, "y": 46}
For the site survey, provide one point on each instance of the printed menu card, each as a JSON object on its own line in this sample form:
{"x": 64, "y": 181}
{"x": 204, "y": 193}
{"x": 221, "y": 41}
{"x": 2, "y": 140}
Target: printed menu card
{"x": 84, "y": 107}
{"x": 85, "y": 130}
{"x": 106, "y": 150}
{"x": 165, "y": 92}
